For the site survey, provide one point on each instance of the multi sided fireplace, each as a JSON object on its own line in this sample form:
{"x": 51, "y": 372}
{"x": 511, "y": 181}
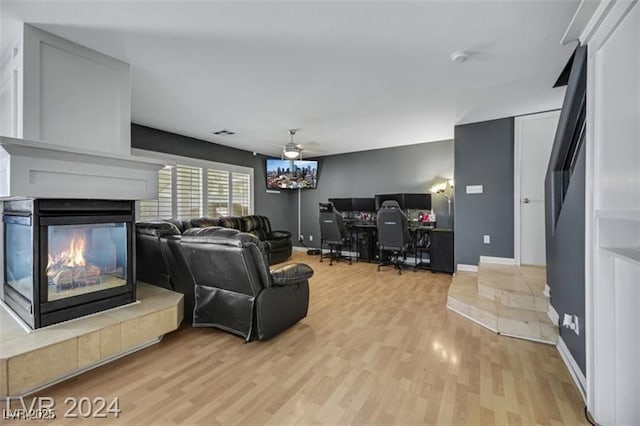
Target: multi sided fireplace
{"x": 67, "y": 258}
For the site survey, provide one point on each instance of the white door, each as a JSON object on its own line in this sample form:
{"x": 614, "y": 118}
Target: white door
{"x": 534, "y": 136}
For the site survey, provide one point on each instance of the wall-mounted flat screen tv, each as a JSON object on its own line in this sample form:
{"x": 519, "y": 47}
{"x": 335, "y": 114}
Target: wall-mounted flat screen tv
{"x": 291, "y": 174}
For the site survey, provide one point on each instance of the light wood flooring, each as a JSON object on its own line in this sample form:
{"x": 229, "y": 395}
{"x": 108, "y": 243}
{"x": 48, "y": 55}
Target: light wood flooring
{"x": 376, "y": 347}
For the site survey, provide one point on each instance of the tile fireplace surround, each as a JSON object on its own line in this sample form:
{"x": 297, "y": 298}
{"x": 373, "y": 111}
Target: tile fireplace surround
{"x": 33, "y": 359}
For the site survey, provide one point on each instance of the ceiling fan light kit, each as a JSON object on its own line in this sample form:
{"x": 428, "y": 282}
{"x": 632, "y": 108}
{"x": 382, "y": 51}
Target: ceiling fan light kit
{"x": 291, "y": 151}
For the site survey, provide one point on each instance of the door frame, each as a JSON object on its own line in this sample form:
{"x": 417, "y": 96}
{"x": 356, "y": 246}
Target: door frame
{"x": 517, "y": 160}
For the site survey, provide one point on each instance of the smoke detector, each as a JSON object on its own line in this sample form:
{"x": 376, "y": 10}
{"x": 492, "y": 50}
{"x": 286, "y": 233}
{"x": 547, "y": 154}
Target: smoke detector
{"x": 459, "y": 56}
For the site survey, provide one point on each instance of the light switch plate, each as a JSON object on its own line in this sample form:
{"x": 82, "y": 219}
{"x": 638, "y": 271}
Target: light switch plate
{"x": 474, "y": 189}
{"x": 486, "y": 239}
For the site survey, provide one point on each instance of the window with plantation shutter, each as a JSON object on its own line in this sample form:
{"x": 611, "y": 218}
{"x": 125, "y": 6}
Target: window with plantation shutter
{"x": 241, "y": 194}
{"x": 217, "y": 193}
{"x": 162, "y": 206}
{"x": 188, "y": 192}
{"x": 195, "y": 188}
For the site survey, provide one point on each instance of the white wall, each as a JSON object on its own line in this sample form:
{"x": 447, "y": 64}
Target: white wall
{"x": 74, "y": 96}
{"x": 11, "y": 91}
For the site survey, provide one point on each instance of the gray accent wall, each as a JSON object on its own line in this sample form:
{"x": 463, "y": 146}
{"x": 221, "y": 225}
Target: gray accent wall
{"x": 565, "y": 214}
{"x": 484, "y": 155}
{"x": 566, "y": 261}
{"x": 274, "y": 206}
{"x": 412, "y": 168}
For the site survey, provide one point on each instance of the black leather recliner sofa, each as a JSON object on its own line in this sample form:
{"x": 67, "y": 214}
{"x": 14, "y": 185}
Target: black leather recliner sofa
{"x": 277, "y": 244}
{"x": 234, "y": 288}
{"x": 224, "y": 276}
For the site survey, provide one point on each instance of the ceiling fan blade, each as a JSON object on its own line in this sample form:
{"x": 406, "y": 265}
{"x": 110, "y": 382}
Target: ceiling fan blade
{"x": 275, "y": 144}
{"x": 308, "y": 152}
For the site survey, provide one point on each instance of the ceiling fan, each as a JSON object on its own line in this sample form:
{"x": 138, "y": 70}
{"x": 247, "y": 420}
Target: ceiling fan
{"x": 293, "y": 151}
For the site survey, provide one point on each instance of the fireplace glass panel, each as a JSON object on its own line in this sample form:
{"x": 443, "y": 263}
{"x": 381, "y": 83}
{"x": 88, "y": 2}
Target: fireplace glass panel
{"x": 19, "y": 258}
{"x": 85, "y": 258}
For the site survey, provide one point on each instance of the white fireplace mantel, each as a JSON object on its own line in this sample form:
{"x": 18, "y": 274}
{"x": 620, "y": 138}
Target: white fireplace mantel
{"x": 46, "y": 170}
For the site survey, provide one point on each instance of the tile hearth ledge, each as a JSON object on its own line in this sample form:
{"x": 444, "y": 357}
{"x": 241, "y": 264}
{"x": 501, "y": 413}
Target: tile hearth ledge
{"x": 34, "y": 360}
{"x": 45, "y": 170}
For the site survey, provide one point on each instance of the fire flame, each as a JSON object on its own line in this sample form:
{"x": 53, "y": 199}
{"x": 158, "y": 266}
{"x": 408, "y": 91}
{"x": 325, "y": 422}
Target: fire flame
{"x": 73, "y": 257}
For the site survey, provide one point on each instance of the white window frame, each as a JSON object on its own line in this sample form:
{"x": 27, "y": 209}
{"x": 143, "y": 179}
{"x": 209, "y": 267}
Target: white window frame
{"x": 173, "y": 160}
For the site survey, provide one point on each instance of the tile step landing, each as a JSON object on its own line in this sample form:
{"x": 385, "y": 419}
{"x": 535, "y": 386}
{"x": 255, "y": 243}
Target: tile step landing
{"x": 515, "y": 286}
{"x": 481, "y": 297}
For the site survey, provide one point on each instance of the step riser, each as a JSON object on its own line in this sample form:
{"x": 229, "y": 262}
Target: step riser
{"x": 521, "y": 329}
{"x": 514, "y": 300}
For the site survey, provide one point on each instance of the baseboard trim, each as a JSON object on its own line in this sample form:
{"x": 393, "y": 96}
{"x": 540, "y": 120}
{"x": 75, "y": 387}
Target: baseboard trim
{"x": 572, "y": 366}
{"x": 553, "y": 314}
{"x": 547, "y": 290}
{"x": 461, "y": 267}
{"x": 498, "y": 260}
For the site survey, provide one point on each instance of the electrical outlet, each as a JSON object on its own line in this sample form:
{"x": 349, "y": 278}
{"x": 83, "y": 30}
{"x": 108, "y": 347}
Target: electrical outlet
{"x": 572, "y": 322}
{"x": 310, "y": 237}
{"x": 486, "y": 239}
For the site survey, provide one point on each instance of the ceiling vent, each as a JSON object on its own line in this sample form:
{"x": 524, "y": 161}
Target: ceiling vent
{"x": 223, "y": 132}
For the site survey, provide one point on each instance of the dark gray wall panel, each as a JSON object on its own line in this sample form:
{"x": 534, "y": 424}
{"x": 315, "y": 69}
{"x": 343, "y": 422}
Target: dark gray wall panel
{"x": 413, "y": 168}
{"x": 484, "y": 156}
{"x": 275, "y": 206}
{"x": 565, "y": 261}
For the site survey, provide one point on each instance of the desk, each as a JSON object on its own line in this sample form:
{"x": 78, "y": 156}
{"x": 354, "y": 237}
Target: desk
{"x": 436, "y": 243}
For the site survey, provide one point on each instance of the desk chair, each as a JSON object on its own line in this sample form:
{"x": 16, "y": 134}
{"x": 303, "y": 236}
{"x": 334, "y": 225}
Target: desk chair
{"x": 333, "y": 233}
{"x": 393, "y": 234}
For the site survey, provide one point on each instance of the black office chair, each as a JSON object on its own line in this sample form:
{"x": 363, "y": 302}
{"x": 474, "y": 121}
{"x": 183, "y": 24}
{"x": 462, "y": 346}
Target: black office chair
{"x": 393, "y": 234}
{"x": 333, "y": 233}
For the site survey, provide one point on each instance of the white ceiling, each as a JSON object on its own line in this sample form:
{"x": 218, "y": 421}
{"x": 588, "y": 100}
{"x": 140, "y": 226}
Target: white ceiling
{"x": 351, "y": 75}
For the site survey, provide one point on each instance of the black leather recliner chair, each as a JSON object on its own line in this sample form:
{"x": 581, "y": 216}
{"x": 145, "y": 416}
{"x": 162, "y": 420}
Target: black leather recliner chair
{"x": 393, "y": 234}
{"x": 234, "y": 288}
